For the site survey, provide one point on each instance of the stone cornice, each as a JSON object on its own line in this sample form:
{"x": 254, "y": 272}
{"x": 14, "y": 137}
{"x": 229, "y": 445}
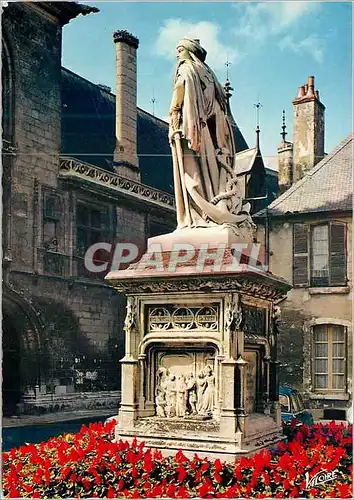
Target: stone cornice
{"x": 313, "y": 98}
{"x": 125, "y": 36}
{"x": 269, "y": 288}
{"x": 70, "y": 168}
{"x": 62, "y": 11}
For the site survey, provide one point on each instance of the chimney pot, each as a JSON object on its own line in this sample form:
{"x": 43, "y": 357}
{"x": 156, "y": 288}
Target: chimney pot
{"x": 301, "y": 92}
{"x": 311, "y": 86}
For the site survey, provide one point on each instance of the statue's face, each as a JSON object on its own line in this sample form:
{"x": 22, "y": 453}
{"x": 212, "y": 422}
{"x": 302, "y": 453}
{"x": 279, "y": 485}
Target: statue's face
{"x": 182, "y": 53}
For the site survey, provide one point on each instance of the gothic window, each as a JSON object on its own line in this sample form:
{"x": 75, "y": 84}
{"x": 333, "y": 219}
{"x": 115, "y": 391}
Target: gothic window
{"x": 53, "y": 262}
{"x": 7, "y": 123}
{"x": 6, "y": 82}
{"x": 51, "y": 219}
{"x": 329, "y": 360}
{"x": 319, "y": 254}
{"x": 92, "y": 226}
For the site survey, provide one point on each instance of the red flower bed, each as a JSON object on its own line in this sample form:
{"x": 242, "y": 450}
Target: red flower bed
{"x": 89, "y": 464}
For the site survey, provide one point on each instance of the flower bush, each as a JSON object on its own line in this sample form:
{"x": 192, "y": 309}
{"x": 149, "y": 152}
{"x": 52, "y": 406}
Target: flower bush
{"x": 89, "y": 464}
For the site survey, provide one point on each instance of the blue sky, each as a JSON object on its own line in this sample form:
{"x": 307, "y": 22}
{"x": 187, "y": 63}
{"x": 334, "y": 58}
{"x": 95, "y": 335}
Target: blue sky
{"x": 272, "y": 46}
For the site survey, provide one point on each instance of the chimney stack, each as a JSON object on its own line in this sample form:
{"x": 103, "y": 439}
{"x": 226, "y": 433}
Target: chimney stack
{"x": 308, "y": 138}
{"x": 125, "y": 154}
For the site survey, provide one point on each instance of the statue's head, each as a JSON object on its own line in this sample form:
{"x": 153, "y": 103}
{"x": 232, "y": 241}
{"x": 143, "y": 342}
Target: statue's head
{"x": 186, "y": 46}
{"x": 208, "y": 370}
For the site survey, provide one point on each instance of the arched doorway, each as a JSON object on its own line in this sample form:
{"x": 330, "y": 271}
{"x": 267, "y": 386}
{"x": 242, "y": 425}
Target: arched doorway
{"x": 11, "y": 379}
{"x": 21, "y": 347}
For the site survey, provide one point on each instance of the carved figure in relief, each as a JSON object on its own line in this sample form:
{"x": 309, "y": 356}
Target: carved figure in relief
{"x": 192, "y": 394}
{"x": 160, "y": 401}
{"x": 160, "y": 393}
{"x": 201, "y": 386}
{"x": 170, "y": 388}
{"x": 207, "y": 402}
{"x": 181, "y": 396}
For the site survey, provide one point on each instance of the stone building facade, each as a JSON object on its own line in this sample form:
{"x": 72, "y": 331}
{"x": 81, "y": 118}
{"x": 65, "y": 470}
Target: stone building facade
{"x": 80, "y": 166}
{"x": 62, "y": 326}
{"x": 307, "y": 231}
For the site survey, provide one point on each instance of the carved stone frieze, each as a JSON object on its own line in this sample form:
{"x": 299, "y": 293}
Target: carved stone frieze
{"x": 197, "y": 284}
{"x": 72, "y": 167}
{"x": 183, "y": 318}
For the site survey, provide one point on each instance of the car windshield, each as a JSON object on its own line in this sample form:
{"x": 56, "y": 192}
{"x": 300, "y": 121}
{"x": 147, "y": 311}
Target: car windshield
{"x": 296, "y": 403}
{"x": 301, "y": 401}
{"x": 284, "y": 403}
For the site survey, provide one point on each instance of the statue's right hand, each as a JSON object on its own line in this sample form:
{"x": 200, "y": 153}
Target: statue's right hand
{"x": 172, "y": 133}
{"x": 175, "y": 119}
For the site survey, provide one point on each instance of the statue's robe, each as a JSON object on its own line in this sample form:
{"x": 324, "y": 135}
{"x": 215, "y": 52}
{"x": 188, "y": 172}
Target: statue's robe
{"x": 206, "y": 143}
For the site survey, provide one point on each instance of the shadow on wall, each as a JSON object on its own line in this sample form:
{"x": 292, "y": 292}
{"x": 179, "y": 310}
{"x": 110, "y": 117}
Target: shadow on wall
{"x": 290, "y": 348}
{"x": 69, "y": 362}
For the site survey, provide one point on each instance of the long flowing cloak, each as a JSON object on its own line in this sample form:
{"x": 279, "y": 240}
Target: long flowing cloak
{"x": 207, "y": 151}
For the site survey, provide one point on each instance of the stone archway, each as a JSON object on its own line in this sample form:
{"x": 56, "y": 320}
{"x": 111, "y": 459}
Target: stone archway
{"x": 11, "y": 380}
{"x": 21, "y": 328}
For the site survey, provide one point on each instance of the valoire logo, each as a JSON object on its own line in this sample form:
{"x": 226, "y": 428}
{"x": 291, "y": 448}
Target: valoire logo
{"x": 320, "y": 478}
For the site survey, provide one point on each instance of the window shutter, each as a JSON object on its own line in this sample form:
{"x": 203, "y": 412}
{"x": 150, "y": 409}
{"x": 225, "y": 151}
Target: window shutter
{"x": 300, "y": 255}
{"x": 338, "y": 261}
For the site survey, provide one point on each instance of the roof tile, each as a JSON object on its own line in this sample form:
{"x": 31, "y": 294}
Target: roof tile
{"x": 326, "y": 188}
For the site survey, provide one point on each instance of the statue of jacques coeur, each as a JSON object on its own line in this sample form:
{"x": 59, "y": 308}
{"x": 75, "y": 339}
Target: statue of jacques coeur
{"x": 202, "y": 142}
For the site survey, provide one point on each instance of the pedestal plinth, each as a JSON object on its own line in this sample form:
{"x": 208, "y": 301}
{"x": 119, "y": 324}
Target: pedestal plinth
{"x": 199, "y": 336}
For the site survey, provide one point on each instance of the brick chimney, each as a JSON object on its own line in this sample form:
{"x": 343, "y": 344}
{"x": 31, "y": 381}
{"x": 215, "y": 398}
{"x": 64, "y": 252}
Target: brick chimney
{"x": 308, "y": 138}
{"x": 125, "y": 154}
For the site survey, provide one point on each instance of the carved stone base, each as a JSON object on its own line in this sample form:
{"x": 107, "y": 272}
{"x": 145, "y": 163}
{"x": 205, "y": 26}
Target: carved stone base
{"x": 212, "y": 236}
{"x": 199, "y": 344}
{"x": 203, "y": 439}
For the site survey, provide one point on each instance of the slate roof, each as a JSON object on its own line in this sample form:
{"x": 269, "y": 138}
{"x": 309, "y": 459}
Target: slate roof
{"x": 245, "y": 160}
{"x": 88, "y": 132}
{"x": 325, "y": 188}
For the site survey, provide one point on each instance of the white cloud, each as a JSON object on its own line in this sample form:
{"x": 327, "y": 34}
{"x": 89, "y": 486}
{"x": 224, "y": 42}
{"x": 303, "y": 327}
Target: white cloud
{"x": 208, "y": 33}
{"x": 312, "y": 45}
{"x": 260, "y": 21}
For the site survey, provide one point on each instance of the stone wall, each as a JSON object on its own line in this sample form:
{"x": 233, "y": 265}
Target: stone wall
{"x": 35, "y": 48}
{"x": 75, "y": 322}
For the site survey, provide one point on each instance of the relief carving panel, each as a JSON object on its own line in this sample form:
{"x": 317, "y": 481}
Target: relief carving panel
{"x": 183, "y": 387}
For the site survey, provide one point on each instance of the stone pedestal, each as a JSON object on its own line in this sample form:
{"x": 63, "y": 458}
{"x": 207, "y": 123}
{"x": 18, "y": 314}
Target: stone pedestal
{"x": 199, "y": 344}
